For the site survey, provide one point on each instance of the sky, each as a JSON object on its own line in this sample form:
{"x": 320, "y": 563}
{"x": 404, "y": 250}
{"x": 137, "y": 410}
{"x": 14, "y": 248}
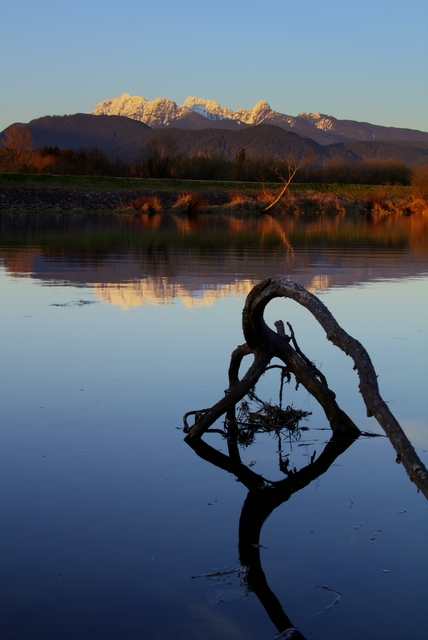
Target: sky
{"x": 365, "y": 61}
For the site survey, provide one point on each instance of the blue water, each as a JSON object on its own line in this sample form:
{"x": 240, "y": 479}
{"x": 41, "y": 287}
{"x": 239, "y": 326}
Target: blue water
{"x": 106, "y": 512}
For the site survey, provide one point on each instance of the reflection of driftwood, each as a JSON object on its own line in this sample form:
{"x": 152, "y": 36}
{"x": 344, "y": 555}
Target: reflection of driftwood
{"x": 263, "y": 497}
{"x": 265, "y": 344}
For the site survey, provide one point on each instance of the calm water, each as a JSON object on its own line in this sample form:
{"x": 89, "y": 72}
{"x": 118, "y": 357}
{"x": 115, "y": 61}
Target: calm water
{"x": 112, "y": 328}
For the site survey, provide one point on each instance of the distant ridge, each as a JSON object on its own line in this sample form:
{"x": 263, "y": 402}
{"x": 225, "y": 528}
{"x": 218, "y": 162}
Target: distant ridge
{"x": 200, "y": 113}
{"x": 83, "y": 130}
{"x": 123, "y": 137}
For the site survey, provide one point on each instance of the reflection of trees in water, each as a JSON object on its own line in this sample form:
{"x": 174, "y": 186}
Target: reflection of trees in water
{"x": 135, "y": 229}
{"x": 208, "y": 251}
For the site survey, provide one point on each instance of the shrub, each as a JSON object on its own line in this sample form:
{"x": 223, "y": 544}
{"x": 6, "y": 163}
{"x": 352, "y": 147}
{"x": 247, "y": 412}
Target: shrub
{"x": 419, "y": 181}
{"x": 149, "y": 204}
{"x": 237, "y": 197}
{"x": 190, "y": 202}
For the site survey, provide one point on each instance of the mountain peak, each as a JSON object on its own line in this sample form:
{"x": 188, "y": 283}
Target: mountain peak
{"x": 200, "y": 113}
{"x": 124, "y": 105}
{"x": 209, "y": 109}
{"x": 261, "y": 105}
{"x": 320, "y": 120}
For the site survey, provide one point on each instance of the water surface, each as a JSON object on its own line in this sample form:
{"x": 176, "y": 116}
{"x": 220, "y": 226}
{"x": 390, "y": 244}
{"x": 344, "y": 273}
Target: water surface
{"x": 113, "y": 327}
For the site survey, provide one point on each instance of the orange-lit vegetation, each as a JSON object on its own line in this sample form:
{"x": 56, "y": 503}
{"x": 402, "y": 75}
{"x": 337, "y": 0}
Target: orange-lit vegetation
{"x": 419, "y": 182}
{"x": 149, "y": 204}
{"x": 190, "y": 202}
{"x": 160, "y": 159}
{"x": 262, "y": 232}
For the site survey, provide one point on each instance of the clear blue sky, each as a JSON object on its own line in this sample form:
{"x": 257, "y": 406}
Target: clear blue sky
{"x": 363, "y": 60}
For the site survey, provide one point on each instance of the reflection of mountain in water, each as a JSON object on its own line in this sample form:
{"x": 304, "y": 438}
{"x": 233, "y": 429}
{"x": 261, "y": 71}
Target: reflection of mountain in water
{"x": 134, "y": 260}
{"x": 160, "y": 291}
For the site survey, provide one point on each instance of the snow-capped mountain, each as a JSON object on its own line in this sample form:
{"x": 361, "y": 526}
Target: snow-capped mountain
{"x": 210, "y": 109}
{"x": 162, "y": 112}
{"x": 158, "y": 112}
{"x": 199, "y": 113}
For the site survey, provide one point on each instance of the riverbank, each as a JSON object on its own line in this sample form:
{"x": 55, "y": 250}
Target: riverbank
{"x": 27, "y": 192}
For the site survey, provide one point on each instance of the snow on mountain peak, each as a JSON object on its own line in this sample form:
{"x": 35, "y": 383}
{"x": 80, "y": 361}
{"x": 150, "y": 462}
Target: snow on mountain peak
{"x": 162, "y": 111}
{"x": 125, "y": 105}
{"x": 197, "y": 113}
{"x": 320, "y": 120}
{"x": 260, "y": 112}
{"x": 210, "y": 109}
{"x": 155, "y": 113}
{"x": 256, "y": 115}
{"x": 261, "y": 105}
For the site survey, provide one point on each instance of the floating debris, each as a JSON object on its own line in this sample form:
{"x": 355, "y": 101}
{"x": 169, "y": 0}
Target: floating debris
{"x": 226, "y": 571}
{"x": 329, "y": 606}
{"x": 288, "y": 633}
{"x": 375, "y": 535}
{"x": 76, "y": 303}
{"x": 229, "y": 589}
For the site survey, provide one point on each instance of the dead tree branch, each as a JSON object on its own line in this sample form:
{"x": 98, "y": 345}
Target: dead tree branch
{"x": 254, "y": 327}
{"x": 292, "y": 167}
{"x": 292, "y": 170}
{"x": 264, "y": 344}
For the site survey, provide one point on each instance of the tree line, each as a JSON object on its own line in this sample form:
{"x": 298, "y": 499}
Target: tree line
{"x": 161, "y": 158}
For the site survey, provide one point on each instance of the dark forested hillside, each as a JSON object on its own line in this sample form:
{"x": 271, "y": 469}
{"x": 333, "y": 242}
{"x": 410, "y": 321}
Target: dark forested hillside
{"x": 119, "y": 136}
{"x": 411, "y": 153}
{"x": 259, "y": 141}
{"x": 82, "y": 130}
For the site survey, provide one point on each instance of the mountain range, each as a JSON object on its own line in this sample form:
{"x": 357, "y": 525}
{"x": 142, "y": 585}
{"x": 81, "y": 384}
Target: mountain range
{"x": 199, "y": 113}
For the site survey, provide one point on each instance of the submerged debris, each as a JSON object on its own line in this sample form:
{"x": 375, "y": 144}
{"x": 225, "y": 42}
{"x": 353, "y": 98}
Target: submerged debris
{"x": 77, "y": 303}
{"x": 265, "y": 417}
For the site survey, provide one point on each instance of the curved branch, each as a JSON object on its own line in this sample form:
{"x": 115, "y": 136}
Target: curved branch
{"x": 292, "y": 168}
{"x": 265, "y": 344}
{"x": 232, "y": 397}
{"x": 256, "y": 332}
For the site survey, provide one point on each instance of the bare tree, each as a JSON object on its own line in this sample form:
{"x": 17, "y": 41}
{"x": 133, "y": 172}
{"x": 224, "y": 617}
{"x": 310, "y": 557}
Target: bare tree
{"x": 287, "y": 170}
{"x": 16, "y": 146}
{"x": 160, "y": 153}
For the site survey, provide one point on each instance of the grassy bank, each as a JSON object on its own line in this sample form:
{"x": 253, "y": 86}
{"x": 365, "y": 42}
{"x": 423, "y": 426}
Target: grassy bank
{"x": 42, "y": 181}
{"x": 38, "y": 192}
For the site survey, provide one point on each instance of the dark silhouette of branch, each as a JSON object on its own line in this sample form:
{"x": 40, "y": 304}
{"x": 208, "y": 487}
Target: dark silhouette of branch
{"x": 263, "y": 497}
{"x": 264, "y": 344}
{"x": 256, "y": 330}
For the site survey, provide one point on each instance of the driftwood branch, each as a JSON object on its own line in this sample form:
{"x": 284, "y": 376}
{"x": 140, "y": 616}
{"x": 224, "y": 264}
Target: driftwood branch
{"x": 291, "y": 173}
{"x": 254, "y": 326}
{"x": 264, "y": 344}
{"x": 292, "y": 165}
